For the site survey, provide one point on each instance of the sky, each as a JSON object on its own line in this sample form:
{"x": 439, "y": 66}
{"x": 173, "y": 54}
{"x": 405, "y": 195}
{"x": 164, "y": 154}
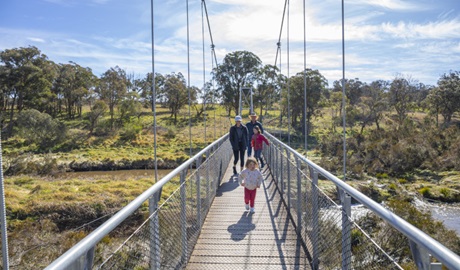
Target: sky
{"x": 416, "y": 39}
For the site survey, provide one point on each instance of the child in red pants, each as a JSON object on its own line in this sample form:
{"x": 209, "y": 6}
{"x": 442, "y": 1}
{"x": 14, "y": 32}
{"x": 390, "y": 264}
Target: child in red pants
{"x": 250, "y": 178}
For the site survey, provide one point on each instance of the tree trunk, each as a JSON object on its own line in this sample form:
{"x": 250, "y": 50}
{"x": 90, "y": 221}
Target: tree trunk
{"x": 10, "y": 124}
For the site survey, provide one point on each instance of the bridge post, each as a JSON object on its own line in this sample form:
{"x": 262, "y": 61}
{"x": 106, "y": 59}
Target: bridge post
{"x": 346, "y": 232}
{"x": 281, "y": 179}
{"x": 288, "y": 164}
{"x": 420, "y": 255}
{"x": 299, "y": 196}
{"x": 275, "y": 167}
{"x": 315, "y": 219}
{"x": 154, "y": 228}
{"x": 207, "y": 179}
{"x": 183, "y": 216}
{"x": 198, "y": 192}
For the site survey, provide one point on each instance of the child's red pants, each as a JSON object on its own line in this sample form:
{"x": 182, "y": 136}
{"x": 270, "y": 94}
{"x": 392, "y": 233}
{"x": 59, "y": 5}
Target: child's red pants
{"x": 250, "y": 196}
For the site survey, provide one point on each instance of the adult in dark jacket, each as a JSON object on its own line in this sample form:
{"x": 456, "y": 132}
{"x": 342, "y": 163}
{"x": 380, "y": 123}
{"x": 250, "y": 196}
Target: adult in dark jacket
{"x": 250, "y": 125}
{"x": 239, "y": 140}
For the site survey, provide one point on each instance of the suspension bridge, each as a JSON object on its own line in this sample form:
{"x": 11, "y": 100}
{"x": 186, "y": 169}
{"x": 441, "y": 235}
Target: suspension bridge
{"x": 203, "y": 224}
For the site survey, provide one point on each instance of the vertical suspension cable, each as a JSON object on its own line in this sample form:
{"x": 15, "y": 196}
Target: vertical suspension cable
{"x": 188, "y": 81}
{"x": 281, "y": 90}
{"x": 289, "y": 82}
{"x": 154, "y": 96}
{"x": 5, "y": 258}
{"x": 212, "y": 85}
{"x": 204, "y": 69}
{"x": 305, "y": 79}
{"x": 343, "y": 96}
{"x": 153, "y": 200}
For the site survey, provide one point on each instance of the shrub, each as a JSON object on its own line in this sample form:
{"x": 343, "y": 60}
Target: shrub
{"x": 41, "y": 129}
{"x": 130, "y": 131}
{"x": 425, "y": 191}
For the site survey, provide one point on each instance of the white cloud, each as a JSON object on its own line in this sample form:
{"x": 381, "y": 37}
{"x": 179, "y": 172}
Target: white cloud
{"x": 34, "y": 39}
{"x": 399, "y": 5}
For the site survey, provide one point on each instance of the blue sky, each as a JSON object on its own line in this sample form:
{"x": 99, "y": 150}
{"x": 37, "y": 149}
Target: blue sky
{"x": 383, "y": 38}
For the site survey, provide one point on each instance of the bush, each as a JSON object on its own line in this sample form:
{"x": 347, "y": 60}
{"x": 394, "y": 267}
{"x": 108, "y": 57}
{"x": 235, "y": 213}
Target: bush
{"x": 40, "y": 129}
{"x": 425, "y": 191}
{"x": 130, "y": 131}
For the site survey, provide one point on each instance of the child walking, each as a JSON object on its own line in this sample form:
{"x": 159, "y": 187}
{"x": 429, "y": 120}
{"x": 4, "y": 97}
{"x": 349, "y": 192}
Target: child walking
{"x": 257, "y": 142}
{"x": 250, "y": 178}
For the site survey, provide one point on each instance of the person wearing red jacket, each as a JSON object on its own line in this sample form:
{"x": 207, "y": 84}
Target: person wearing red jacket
{"x": 257, "y": 142}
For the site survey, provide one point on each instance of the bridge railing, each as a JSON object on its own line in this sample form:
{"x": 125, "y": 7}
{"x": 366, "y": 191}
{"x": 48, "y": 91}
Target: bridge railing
{"x": 369, "y": 237}
{"x": 166, "y": 238}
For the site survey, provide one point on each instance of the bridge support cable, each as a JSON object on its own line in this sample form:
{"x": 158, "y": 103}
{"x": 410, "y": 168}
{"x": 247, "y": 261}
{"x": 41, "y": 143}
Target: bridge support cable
{"x": 278, "y": 52}
{"x": 305, "y": 77}
{"x": 289, "y": 79}
{"x": 5, "y": 258}
{"x": 204, "y": 70}
{"x": 153, "y": 200}
{"x": 344, "y": 111}
{"x": 188, "y": 81}
{"x": 213, "y": 52}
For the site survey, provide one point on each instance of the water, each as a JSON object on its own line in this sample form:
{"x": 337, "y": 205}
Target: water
{"x": 121, "y": 174}
{"x": 449, "y": 214}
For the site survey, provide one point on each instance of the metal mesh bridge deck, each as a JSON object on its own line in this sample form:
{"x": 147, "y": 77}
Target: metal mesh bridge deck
{"x": 233, "y": 238}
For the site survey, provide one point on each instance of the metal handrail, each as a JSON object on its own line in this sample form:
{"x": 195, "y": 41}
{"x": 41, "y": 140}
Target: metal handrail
{"x": 442, "y": 253}
{"x": 80, "y": 249}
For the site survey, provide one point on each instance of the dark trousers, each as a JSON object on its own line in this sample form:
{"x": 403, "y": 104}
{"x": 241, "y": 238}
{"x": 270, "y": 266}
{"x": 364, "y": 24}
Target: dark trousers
{"x": 258, "y": 156}
{"x": 249, "y": 148}
{"x": 239, "y": 155}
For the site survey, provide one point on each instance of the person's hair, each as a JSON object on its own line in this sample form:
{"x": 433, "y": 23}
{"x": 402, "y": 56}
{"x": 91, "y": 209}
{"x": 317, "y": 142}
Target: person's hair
{"x": 258, "y": 129}
{"x": 249, "y": 160}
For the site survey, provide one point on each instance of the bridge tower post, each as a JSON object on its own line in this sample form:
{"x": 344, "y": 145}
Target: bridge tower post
{"x": 346, "y": 232}
{"x": 315, "y": 219}
{"x": 183, "y": 217}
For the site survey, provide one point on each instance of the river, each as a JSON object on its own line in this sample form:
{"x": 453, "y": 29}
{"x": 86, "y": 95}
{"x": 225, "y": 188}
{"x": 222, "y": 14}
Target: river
{"x": 121, "y": 174}
{"x": 449, "y": 214}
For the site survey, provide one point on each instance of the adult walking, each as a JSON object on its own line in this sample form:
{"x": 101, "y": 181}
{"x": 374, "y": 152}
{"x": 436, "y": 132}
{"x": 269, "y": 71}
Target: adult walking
{"x": 239, "y": 139}
{"x": 250, "y": 125}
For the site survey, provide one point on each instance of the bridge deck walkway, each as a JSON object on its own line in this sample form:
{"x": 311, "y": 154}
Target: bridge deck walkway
{"x": 233, "y": 238}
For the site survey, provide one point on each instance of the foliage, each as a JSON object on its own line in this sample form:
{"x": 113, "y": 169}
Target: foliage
{"x": 112, "y": 89}
{"x": 26, "y": 78}
{"x": 238, "y": 70}
{"x": 445, "y": 99}
{"x": 315, "y": 86}
{"x": 41, "y": 129}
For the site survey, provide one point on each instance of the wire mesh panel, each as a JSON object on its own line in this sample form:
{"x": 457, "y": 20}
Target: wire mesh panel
{"x": 177, "y": 221}
{"x": 333, "y": 239}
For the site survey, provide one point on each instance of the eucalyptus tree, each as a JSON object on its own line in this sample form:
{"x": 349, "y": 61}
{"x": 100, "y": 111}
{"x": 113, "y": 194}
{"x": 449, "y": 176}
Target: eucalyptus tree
{"x": 176, "y": 93}
{"x": 353, "y": 89}
{"x": 208, "y": 97}
{"x": 73, "y": 84}
{"x": 445, "y": 99}
{"x": 269, "y": 83}
{"x": 112, "y": 89}
{"x": 374, "y": 102}
{"x": 145, "y": 89}
{"x": 401, "y": 96}
{"x": 316, "y": 85}
{"x": 238, "y": 69}
{"x": 26, "y": 76}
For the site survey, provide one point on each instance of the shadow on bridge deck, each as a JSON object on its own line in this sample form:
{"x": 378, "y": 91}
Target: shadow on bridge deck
{"x": 233, "y": 238}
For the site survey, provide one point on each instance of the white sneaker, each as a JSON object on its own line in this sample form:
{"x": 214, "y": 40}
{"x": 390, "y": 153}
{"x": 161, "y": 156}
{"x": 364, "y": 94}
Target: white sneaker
{"x": 252, "y": 210}
{"x": 246, "y": 206}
